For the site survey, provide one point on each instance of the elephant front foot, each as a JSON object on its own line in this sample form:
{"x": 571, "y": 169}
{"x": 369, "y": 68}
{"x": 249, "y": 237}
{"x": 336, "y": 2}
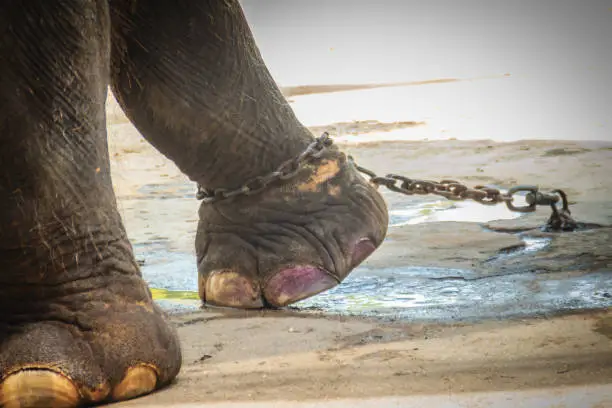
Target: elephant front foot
{"x": 291, "y": 241}
{"x": 80, "y": 340}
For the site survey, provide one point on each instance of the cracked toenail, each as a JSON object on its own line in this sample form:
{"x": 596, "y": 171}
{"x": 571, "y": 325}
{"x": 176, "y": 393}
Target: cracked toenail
{"x": 363, "y": 248}
{"x": 35, "y": 388}
{"x": 228, "y": 288}
{"x": 296, "y": 283}
{"x": 138, "y": 380}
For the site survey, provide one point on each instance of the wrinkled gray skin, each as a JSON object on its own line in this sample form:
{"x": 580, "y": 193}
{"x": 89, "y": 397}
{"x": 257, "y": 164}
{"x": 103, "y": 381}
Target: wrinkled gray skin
{"x": 77, "y": 323}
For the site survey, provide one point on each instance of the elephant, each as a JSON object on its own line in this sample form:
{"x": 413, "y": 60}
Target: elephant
{"x": 78, "y": 325}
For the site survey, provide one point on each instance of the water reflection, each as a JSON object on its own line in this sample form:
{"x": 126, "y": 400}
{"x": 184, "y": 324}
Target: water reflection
{"x": 431, "y": 293}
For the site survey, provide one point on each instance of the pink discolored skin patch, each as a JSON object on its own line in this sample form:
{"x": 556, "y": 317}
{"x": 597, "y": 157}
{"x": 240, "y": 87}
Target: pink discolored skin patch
{"x": 296, "y": 283}
{"x": 363, "y": 248}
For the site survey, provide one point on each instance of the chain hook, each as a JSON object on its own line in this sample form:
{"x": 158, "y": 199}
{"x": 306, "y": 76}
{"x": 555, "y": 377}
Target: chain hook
{"x": 561, "y": 219}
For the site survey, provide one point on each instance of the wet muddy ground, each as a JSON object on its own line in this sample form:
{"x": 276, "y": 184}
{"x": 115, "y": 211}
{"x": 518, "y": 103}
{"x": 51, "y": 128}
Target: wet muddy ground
{"x": 441, "y": 260}
{"x": 465, "y": 302}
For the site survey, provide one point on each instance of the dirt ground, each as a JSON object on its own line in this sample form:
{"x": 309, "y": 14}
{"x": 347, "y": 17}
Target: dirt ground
{"x": 268, "y": 356}
{"x": 281, "y": 355}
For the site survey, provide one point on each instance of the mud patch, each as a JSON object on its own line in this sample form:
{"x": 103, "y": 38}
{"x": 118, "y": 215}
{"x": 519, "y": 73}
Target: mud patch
{"x": 360, "y": 127}
{"x": 378, "y": 335}
{"x": 563, "y": 152}
{"x": 527, "y": 246}
{"x": 290, "y": 91}
{"x": 327, "y": 170}
{"x": 604, "y": 325}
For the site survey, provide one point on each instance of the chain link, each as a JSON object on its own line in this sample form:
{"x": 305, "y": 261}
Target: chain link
{"x": 454, "y": 190}
{"x": 560, "y": 220}
{"x": 284, "y": 172}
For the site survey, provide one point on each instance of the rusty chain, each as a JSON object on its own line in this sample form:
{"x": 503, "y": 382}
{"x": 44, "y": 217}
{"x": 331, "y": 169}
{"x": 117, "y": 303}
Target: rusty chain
{"x": 560, "y": 220}
{"x": 285, "y": 171}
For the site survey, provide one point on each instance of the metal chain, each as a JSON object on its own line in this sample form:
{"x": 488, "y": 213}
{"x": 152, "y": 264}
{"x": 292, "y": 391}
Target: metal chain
{"x": 284, "y": 172}
{"x": 453, "y": 190}
{"x": 560, "y": 220}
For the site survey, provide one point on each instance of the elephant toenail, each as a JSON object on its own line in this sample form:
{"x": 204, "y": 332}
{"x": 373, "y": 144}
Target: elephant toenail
{"x": 362, "y": 249}
{"x": 138, "y": 380}
{"x": 35, "y": 388}
{"x": 228, "y": 288}
{"x": 296, "y": 283}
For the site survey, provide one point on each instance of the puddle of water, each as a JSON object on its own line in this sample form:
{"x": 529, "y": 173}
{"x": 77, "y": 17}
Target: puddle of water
{"x": 417, "y": 294}
{"x": 531, "y": 245}
{"x": 413, "y": 293}
{"x": 535, "y": 244}
{"x": 404, "y": 293}
{"x": 176, "y": 300}
{"x": 166, "y": 271}
{"x": 422, "y": 211}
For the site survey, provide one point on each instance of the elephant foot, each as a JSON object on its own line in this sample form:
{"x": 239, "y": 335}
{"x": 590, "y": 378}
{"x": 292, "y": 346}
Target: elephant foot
{"x": 86, "y": 338}
{"x": 292, "y": 240}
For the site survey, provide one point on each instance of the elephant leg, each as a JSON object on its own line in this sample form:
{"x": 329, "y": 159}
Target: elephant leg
{"x": 189, "y": 75}
{"x": 77, "y": 322}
